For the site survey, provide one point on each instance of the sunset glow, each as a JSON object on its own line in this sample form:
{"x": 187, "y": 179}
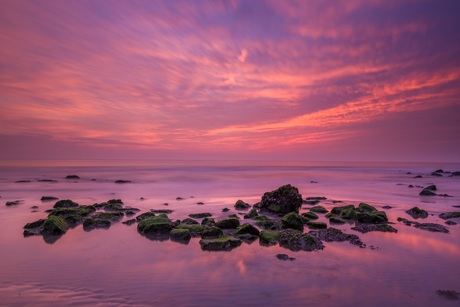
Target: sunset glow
{"x": 303, "y": 80}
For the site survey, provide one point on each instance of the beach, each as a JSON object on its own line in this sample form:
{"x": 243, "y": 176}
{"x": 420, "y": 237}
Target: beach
{"x": 118, "y": 266}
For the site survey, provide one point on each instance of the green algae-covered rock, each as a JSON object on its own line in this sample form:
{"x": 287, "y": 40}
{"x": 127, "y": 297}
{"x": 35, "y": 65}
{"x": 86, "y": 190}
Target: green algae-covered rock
{"x": 317, "y": 225}
{"x": 310, "y": 215}
{"x": 55, "y": 225}
{"x": 364, "y": 228}
{"x": 363, "y": 207}
{"x": 264, "y": 221}
{"x": 220, "y": 244}
{"x": 231, "y": 223}
{"x": 378, "y": 217}
{"x": 292, "y": 220}
{"x": 194, "y": 229}
{"x": 212, "y": 232}
{"x": 251, "y": 214}
{"x": 269, "y": 237}
{"x": 189, "y": 221}
{"x": 295, "y": 241}
{"x": 144, "y": 216}
{"x": 200, "y": 215}
{"x": 247, "y": 231}
{"x": 281, "y": 201}
{"x": 160, "y": 224}
{"x": 336, "y": 220}
{"x": 208, "y": 221}
{"x": 339, "y": 209}
{"x": 241, "y": 205}
{"x": 65, "y": 203}
{"x": 102, "y": 220}
{"x": 318, "y": 209}
{"x": 416, "y": 213}
{"x": 180, "y": 235}
{"x": 336, "y": 235}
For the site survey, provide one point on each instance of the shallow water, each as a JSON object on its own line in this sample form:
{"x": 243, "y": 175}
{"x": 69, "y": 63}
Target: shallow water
{"x": 120, "y": 267}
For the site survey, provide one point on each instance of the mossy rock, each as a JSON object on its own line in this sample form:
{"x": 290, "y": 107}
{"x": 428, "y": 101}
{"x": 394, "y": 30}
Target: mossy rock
{"x": 241, "y": 205}
{"x": 269, "y": 237}
{"x": 292, "y": 220}
{"x": 233, "y": 216}
{"x": 317, "y": 225}
{"x": 336, "y": 235}
{"x": 35, "y": 224}
{"x": 449, "y": 215}
{"x": 144, "y": 216}
{"x": 426, "y": 192}
{"x": 378, "y": 217}
{"x": 91, "y": 223}
{"x": 336, "y": 220}
{"x": 310, "y": 215}
{"x": 230, "y": 223}
{"x": 251, "y": 214}
{"x": 348, "y": 213}
{"x": 212, "y": 232}
{"x": 189, "y": 221}
{"x": 160, "y": 224}
{"x": 264, "y": 222}
{"x": 54, "y": 226}
{"x": 363, "y": 207}
{"x": 200, "y": 215}
{"x": 81, "y": 211}
{"x": 113, "y": 207}
{"x": 247, "y": 230}
{"x": 220, "y": 244}
{"x": 365, "y": 228}
{"x": 208, "y": 221}
{"x": 416, "y": 213}
{"x": 65, "y": 203}
{"x": 296, "y": 240}
{"x": 281, "y": 201}
{"x": 180, "y": 235}
{"x": 195, "y": 229}
{"x": 318, "y": 209}
{"x": 339, "y": 209}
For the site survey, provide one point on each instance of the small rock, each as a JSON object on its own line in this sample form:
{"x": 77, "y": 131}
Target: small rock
{"x": 449, "y": 215}
{"x": 48, "y": 198}
{"x": 200, "y": 203}
{"x": 241, "y": 205}
{"x": 426, "y": 192}
{"x": 416, "y": 213}
{"x": 418, "y": 176}
{"x": 22, "y": 181}
{"x": 387, "y": 207}
{"x": 13, "y": 203}
{"x": 122, "y": 181}
{"x": 225, "y": 210}
{"x": 450, "y": 223}
{"x": 449, "y": 294}
{"x": 364, "y": 228}
{"x": 72, "y": 177}
{"x": 200, "y": 215}
{"x": 179, "y": 198}
{"x": 284, "y": 257}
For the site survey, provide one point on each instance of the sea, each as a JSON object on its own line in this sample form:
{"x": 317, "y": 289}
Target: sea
{"x": 120, "y": 267}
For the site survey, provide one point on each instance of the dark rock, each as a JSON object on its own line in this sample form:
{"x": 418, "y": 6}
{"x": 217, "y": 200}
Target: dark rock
{"x": 212, "y": 232}
{"x": 130, "y": 212}
{"x": 22, "y": 181}
{"x": 416, "y": 213}
{"x": 247, "y": 231}
{"x": 241, "y": 205}
{"x": 336, "y": 220}
{"x": 54, "y": 225}
{"x": 418, "y": 176}
{"x": 179, "y": 198}
{"x": 48, "y": 198}
{"x": 200, "y": 215}
{"x": 234, "y": 216}
{"x": 102, "y": 220}
{"x": 426, "y": 192}
{"x": 225, "y": 210}
{"x": 269, "y": 237}
{"x": 295, "y": 241}
{"x": 449, "y": 294}
{"x": 445, "y": 195}
{"x": 377, "y": 217}
{"x": 317, "y": 225}
{"x": 364, "y": 228}
{"x": 292, "y": 220}
{"x": 439, "y": 171}
{"x": 284, "y": 257}
{"x": 34, "y": 207}
{"x": 251, "y": 214}
{"x": 450, "y": 223}
{"x": 72, "y": 177}
{"x": 409, "y": 173}
{"x": 387, "y": 207}
{"x": 230, "y": 223}
{"x": 200, "y": 203}
{"x": 410, "y": 186}
{"x": 336, "y": 235}
{"x": 281, "y": 201}
{"x": 363, "y": 207}
{"x": 264, "y": 221}
{"x": 144, "y": 216}
{"x": 194, "y": 229}
{"x": 47, "y": 180}
{"x": 129, "y": 222}
{"x": 449, "y": 215}
{"x": 122, "y": 181}
{"x": 65, "y": 203}
{"x": 35, "y": 224}
{"x": 431, "y": 188}
{"x": 220, "y": 244}
{"x": 160, "y": 224}
{"x": 208, "y": 221}
{"x": 180, "y": 235}
{"x": 318, "y": 209}
{"x": 13, "y": 203}
{"x": 455, "y": 174}
{"x": 310, "y": 215}
{"x": 164, "y": 211}
{"x": 424, "y": 226}
{"x": 189, "y": 221}
{"x": 436, "y": 174}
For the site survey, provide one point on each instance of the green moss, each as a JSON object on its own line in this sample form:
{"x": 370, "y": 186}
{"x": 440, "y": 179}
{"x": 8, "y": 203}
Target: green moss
{"x": 246, "y": 229}
{"x": 65, "y": 203}
{"x": 292, "y": 220}
{"x": 363, "y": 207}
{"x": 310, "y": 215}
{"x": 264, "y": 221}
{"x": 378, "y": 217}
{"x": 318, "y": 209}
{"x": 234, "y": 216}
{"x": 200, "y": 215}
{"x": 189, "y": 221}
{"x": 348, "y": 213}
{"x": 220, "y": 244}
{"x": 251, "y": 214}
{"x": 269, "y": 237}
{"x": 194, "y": 229}
{"x": 82, "y": 211}
{"x": 339, "y": 209}
{"x": 212, "y": 232}
{"x": 155, "y": 225}
{"x": 55, "y": 225}
{"x": 181, "y": 235}
{"x": 35, "y": 224}
{"x": 144, "y": 216}
{"x": 208, "y": 221}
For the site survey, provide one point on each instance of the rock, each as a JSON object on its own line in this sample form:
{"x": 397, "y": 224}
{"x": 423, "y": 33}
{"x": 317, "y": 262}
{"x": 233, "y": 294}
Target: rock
{"x": 345, "y": 212}
{"x": 180, "y": 235}
{"x": 284, "y": 257}
{"x": 439, "y": 171}
{"x": 130, "y": 212}
{"x": 47, "y": 180}
{"x": 281, "y": 201}
{"x": 264, "y": 221}
{"x": 179, "y": 198}
{"x": 129, "y": 222}
{"x": 336, "y": 220}
{"x": 72, "y": 177}
{"x": 410, "y": 186}
{"x": 241, "y": 205}
{"x": 416, "y": 213}
{"x": 200, "y": 203}
{"x": 426, "y": 192}
{"x": 336, "y": 235}
{"x": 432, "y": 227}
{"x": 208, "y": 221}
{"x": 363, "y": 207}
{"x": 234, "y": 216}
{"x": 251, "y": 214}
{"x": 225, "y": 210}
{"x": 378, "y": 217}
{"x": 102, "y": 220}
{"x": 387, "y": 207}
{"x": 200, "y": 215}
{"x": 160, "y": 224}
{"x": 431, "y": 188}
{"x": 449, "y": 294}
{"x": 194, "y": 229}
{"x": 48, "y": 198}
{"x": 122, "y": 181}
{"x": 73, "y": 215}
{"x": 54, "y": 226}
{"x": 318, "y": 209}
{"x": 310, "y": 215}
{"x": 449, "y": 215}
{"x": 212, "y": 232}
{"x": 35, "y": 224}
{"x": 364, "y": 228}
{"x": 445, "y": 195}
{"x": 22, "y": 181}
{"x": 34, "y": 207}
{"x": 230, "y": 223}
{"x": 247, "y": 231}
{"x": 189, "y": 221}
{"x": 292, "y": 220}
{"x": 269, "y": 237}
{"x": 164, "y": 211}
{"x": 144, "y": 216}
{"x": 317, "y": 225}
{"x": 450, "y": 223}
{"x": 65, "y": 203}
{"x": 13, "y": 203}
{"x": 220, "y": 244}
{"x": 295, "y": 241}
{"x": 418, "y": 176}
{"x": 436, "y": 174}
{"x": 455, "y": 174}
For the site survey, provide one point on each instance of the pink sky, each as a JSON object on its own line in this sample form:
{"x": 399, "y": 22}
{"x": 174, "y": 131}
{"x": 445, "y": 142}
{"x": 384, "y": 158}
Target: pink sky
{"x": 289, "y": 80}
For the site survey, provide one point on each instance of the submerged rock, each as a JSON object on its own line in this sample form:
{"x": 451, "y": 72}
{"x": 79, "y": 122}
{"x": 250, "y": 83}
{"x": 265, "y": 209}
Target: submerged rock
{"x": 208, "y": 221}
{"x": 269, "y": 237}
{"x": 102, "y": 220}
{"x": 317, "y": 225}
{"x": 54, "y": 225}
{"x": 449, "y": 294}
{"x": 72, "y": 177}
{"x": 281, "y": 201}
{"x": 449, "y": 215}
{"x": 310, "y": 215}
{"x": 13, "y": 203}
{"x": 251, "y": 214}
{"x": 425, "y": 226}
{"x": 295, "y": 241}
{"x": 284, "y": 257}
{"x": 416, "y": 213}
{"x": 220, "y": 244}
{"x": 212, "y": 232}
{"x": 144, "y": 216}
{"x": 292, "y": 220}
{"x": 120, "y": 181}
{"x": 230, "y": 223}
{"x": 65, "y": 203}
{"x": 194, "y": 229}
{"x": 450, "y": 223}
{"x": 336, "y": 220}
{"x": 264, "y": 221}
{"x": 247, "y": 231}
{"x": 336, "y": 235}
{"x": 48, "y": 198}
{"x": 200, "y": 215}
{"x": 241, "y": 205}
{"x": 364, "y": 228}
{"x": 318, "y": 209}
{"x": 180, "y": 235}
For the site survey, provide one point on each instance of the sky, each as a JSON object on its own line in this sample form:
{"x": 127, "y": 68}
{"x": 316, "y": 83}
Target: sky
{"x": 355, "y": 80}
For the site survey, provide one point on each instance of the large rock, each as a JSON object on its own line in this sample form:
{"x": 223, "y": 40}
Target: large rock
{"x": 281, "y": 201}
{"x": 292, "y": 220}
{"x": 160, "y": 224}
{"x": 269, "y": 237}
{"x": 55, "y": 226}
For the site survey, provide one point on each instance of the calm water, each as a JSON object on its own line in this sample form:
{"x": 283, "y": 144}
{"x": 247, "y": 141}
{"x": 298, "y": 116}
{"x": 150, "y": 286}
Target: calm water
{"x": 120, "y": 267}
